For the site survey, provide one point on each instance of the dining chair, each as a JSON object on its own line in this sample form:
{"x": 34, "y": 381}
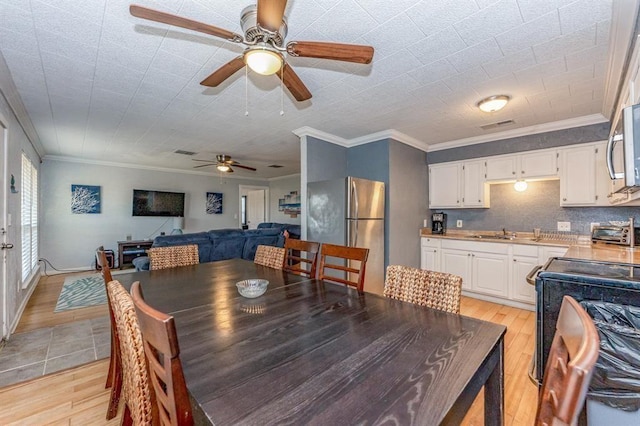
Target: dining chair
{"x": 295, "y": 262}
{"x": 114, "y": 375}
{"x": 172, "y": 256}
{"x": 163, "y": 358}
{"x": 438, "y": 290}
{"x": 330, "y": 271}
{"x": 572, "y": 358}
{"x": 270, "y": 256}
{"x": 136, "y": 392}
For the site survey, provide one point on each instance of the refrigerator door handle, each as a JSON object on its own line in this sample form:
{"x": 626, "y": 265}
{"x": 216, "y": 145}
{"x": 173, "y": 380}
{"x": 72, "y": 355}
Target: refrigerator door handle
{"x": 354, "y": 198}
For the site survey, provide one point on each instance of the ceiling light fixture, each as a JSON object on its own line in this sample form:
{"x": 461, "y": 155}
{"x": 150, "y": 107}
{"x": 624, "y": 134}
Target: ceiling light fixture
{"x": 493, "y": 103}
{"x": 263, "y": 59}
{"x": 520, "y": 185}
{"x": 223, "y": 167}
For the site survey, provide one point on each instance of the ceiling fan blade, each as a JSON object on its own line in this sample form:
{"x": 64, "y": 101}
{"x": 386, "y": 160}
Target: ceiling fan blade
{"x": 224, "y": 72}
{"x": 204, "y": 161}
{"x": 337, "y": 51}
{"x": 270, "y": 13}
{"x": 204, "y": 165}
{"x": 244, "y": 167}
{"x": 294, "y": 84}
{"x": 178, "y": 21}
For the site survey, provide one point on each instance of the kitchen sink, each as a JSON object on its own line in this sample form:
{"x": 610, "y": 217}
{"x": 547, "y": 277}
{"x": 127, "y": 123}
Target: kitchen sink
{"x": 493, "y": 237}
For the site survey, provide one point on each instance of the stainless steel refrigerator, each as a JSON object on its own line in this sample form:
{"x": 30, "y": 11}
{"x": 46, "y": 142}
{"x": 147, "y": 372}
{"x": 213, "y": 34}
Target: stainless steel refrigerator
{"x": 350, "y": 212}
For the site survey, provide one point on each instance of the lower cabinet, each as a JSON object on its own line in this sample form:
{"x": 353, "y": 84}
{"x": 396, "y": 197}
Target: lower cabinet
{"x": 491, "y": 271}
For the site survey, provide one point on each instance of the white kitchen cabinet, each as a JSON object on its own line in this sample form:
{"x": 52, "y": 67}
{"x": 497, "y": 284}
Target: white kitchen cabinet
{"x": 457, "y": 262}
{"x": 430, "y": 254}
{"x": 490, "y": 273}
{"x": 538, "y": 164}
{"x": 578, "y": 176}
{"x": 445, "y": 185}
{"x": 502, "y": 167}
{"x": 458, "y": 184}
{"x": 524, "y": 259}
{"x": 475, "y": 192}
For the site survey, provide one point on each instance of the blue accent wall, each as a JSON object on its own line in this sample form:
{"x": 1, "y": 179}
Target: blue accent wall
{"x": 326, "y": 160}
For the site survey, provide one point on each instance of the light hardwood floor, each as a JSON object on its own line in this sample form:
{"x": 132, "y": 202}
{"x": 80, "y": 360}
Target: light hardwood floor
{"x": 77, "y": 396}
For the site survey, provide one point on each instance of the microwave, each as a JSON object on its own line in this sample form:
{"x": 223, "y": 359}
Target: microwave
{"x": 623, "y": 152}
{"x": 626, "y": 235}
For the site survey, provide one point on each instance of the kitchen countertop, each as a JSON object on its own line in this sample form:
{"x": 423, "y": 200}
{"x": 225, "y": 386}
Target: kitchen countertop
{"x": 582, "y": 248}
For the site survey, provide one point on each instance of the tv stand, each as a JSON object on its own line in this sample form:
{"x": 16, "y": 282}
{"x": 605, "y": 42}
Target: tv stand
{"x": 129, "y": 250}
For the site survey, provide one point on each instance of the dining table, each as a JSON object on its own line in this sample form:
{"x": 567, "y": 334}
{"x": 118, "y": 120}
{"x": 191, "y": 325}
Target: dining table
{"x": 314, "y": 352}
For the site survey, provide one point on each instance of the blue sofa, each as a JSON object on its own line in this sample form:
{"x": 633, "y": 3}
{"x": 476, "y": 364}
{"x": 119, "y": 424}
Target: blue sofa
{"x": 222, "y": 244}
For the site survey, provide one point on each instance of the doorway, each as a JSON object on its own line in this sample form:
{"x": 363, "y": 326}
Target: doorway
{"x": 254, "y": 205}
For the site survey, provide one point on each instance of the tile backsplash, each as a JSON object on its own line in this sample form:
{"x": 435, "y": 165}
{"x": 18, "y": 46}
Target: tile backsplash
{"x": 537, "y": 207}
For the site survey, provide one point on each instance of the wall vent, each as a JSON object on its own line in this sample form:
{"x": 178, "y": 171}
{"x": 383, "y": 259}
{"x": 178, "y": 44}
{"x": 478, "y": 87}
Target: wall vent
{"x": 498, "y": 124}
{"x": 275, "y": 166}
{"x": 183, "y": 152}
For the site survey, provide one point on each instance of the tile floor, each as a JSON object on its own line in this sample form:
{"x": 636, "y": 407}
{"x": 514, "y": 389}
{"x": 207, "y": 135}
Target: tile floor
{"x": 31, "y": 354}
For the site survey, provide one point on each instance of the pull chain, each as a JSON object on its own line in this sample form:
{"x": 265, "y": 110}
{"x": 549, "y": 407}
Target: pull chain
{"x": 246, "y": 90}
{"x": 282, "y": 90}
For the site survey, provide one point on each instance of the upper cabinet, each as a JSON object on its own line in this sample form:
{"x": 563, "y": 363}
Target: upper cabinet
{"x": 530, "y": 165}
{"x": 578, "y": 176}
{"x": 458, "y": 185}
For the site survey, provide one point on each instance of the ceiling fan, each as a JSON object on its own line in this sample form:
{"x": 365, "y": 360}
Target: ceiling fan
{"x": 223, "y": 163}
{"x": 265, "y": 28}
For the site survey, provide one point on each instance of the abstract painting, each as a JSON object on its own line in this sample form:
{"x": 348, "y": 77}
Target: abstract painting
{"x": 290, "y": 204}
{"x": 214, "y": 203}
{"x": 85, "y": 199}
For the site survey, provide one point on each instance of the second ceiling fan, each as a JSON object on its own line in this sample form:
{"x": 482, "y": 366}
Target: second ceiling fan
{"x": 223, "y": 163}
{"x": 265, "y": 28}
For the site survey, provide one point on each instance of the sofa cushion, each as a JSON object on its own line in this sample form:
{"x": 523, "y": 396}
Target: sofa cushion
{"x": 263, "y": 236}
{"x": 201, "y": 239}
{"x": 226, "y": 244}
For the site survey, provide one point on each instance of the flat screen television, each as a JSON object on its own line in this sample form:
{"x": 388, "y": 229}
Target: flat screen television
{"x": 157, "y": 203}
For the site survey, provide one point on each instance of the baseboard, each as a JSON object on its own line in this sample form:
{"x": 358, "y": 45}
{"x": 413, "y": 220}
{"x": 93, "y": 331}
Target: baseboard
{"x": 30, "y": 289}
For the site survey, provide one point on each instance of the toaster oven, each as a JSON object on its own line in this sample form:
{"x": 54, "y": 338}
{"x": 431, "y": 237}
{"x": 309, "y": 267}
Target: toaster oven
{"x": 626, "y": 235}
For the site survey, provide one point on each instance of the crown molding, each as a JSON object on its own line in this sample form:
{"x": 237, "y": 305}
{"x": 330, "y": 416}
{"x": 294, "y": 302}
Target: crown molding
{"x": 143, "y": 167}
{"x": 319, "y": 134}
{"x": 523, "y": 131}
{"x": 390, "y": 134}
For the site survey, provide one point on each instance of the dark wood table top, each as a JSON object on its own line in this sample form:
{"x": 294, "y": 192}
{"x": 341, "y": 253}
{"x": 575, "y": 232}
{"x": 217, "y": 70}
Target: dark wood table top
{"x": 308, "y": 352}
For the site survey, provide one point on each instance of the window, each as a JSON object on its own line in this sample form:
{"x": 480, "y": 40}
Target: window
{"x": 243, "y": 210}
{"x": 29, "y": 221}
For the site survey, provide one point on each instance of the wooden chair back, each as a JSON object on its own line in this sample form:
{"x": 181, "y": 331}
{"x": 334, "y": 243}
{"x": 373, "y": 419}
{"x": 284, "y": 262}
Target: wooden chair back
{"x": 353, "y": 274}
{"x": 173, "y": 256}
{"x": 114, "y": 375}
{"x": 301, "y": 257}
{"x": 572, "y": 358}
{"x": 270, "y": 256}
{"x": 163, "y": 357}
{"x": 438, "y": 290}
{"x": 136, "y": 391}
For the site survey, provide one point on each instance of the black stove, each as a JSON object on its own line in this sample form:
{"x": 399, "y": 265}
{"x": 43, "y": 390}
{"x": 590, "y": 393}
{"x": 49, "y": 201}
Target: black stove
{"x": 583, "y": 280}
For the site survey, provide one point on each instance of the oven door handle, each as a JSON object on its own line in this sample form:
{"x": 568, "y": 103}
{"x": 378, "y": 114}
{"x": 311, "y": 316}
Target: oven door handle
{"x": 531, "y": 276}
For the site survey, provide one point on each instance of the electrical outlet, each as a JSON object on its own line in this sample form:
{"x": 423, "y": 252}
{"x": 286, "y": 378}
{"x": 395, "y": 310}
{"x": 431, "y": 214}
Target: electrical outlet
{"x": 593, "y": 224}
{"x": 458, "y": 223}
{"x": 564, "y": 226}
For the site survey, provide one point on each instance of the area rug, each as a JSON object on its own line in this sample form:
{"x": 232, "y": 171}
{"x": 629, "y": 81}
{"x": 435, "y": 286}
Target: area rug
{"x": 80, "y": 292}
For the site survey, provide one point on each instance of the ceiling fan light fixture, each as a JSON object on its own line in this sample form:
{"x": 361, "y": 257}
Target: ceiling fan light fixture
{"x": 264, "y": 59}
{"x": 223, "y": 167}
{"x": 493, "y": 103}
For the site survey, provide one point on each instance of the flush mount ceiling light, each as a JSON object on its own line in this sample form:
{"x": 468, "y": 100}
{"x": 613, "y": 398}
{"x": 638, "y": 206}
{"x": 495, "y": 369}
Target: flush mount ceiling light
{"x": 493, "y": 103}
{"x": 263, "y": 59}
{"x": 520, "y": 185}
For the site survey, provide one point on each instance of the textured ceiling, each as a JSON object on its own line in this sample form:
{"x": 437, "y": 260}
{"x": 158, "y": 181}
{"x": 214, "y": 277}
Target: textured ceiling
{"x": 99, "y": 83}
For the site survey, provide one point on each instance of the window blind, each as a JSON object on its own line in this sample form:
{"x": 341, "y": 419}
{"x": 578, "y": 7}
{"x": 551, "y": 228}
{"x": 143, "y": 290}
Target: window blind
{"x": 29, "y": 215}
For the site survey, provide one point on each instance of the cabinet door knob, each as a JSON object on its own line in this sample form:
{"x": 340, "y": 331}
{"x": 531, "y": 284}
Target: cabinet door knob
{"x": 564, "y": 199}
{"x": 513, "y": 172}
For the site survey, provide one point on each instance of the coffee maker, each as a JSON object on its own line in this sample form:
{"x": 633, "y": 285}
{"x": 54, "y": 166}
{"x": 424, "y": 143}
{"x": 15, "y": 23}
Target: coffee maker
{"x": 438, "y": 223}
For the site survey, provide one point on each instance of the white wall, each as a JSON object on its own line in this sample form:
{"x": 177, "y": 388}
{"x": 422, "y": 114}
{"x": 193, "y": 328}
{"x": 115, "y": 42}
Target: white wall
{"x": 69, "y": 240}
{"x": 278, "y": 187}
